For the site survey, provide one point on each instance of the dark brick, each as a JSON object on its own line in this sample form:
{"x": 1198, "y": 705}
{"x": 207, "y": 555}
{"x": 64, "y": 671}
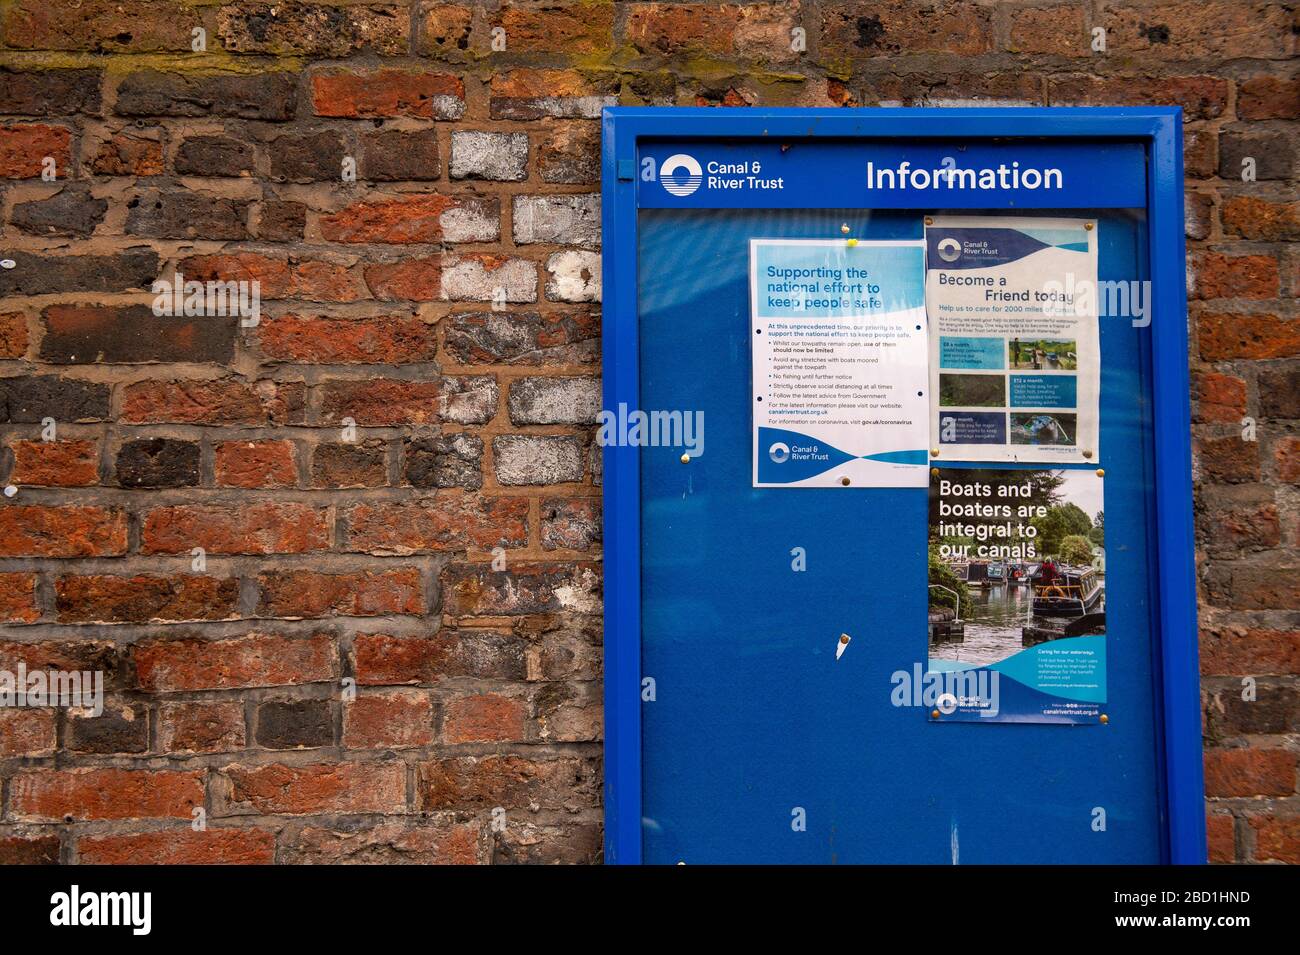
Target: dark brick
{"x": 28, "y": 400}
{"x": 396, "y": 155}
{"x": 50, "y": 92}
{"x": 311, "y": 29}
{"x": 215, "y": 156}
{"x": 47, "y": 274}
{"x": 1279, "y": 391}
{"x": 282, "y": 221}
{"x": 158, "y": 462}
{"x": 187, "y": 215}
{"x": 307, "y": 157}
{"x": 350, "y": 465}
{"x": 450, "y": 460}
{"x": 71, "y": 211}
{"x": 1275, "y": 709}
{"x": 84, "y": 334}
{"x": 119, "y": 729}
{"x": 270, "y": 96}
{"x": 1274, "y": 154}
{"x": 288, "y": 724}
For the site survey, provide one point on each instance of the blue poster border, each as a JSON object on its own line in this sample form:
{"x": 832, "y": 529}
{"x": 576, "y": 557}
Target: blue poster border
{"x": 1159, "y": 129}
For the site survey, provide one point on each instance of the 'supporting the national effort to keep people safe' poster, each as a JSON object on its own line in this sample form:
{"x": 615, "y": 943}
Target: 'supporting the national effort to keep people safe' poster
{"x": 1014, "y": 345}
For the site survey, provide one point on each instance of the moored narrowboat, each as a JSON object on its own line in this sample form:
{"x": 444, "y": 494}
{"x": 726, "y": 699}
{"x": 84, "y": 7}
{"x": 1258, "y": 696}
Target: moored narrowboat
{"x": 1072, "y": 592}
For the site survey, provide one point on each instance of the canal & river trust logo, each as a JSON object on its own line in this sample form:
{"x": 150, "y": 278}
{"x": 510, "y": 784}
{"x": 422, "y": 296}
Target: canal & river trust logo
{"x": 681, "y": 183}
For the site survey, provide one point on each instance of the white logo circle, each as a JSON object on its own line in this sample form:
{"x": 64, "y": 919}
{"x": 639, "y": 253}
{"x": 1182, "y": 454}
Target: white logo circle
{"x": 681, "y": 184}
{"x": 779, "y": 452}
{"x": 946, "y": 704}
{"x": 949, "y": 249}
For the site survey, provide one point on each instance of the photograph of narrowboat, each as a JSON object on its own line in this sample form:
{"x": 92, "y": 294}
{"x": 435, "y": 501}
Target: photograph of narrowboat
{"x": 1067, "y": 591}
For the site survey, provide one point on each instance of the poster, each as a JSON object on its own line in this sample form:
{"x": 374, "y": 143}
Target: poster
{"x": 1015, "y": 355}
{"x": 1017, "y": 608}
{"x": 839, "y": 363}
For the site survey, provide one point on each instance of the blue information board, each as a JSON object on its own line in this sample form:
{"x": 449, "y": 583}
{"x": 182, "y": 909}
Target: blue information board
{"x": 740, "y": 725}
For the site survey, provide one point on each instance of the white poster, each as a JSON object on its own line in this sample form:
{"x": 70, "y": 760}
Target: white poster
{"x": 839, "y": 362}
{"x": 1015, "y": 356}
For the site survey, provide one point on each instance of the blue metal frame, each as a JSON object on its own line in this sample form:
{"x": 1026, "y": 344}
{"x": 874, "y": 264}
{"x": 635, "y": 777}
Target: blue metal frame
{"x": 1160, "y": 129}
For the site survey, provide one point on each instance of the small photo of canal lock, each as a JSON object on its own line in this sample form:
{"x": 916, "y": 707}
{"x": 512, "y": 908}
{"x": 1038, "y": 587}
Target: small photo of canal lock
{"x": 1017, "y": 557}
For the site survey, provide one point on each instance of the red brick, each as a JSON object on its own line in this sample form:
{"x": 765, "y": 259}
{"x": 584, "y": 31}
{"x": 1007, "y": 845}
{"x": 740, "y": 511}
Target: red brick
{"x": 508, "y": 781}
{"x": 27, "y": 731}
{"x": 445, "y": 523}
{"x": 1253, "y": 218}
{"x": 382, "y": 339}
{"x": 302, "y": 790}
{"x": 54, "y": 795}
{"x": 524, "y": 588}
{"x": 1219, "y": 832}
{"x": 271, "y": 463}
{"x": 1277, "y": 838}
{"x": 13, "y": 335}
{"x": 316, "y": 280}
{"x": 101, "y": 26}
{"x": 21, "y": 850}
{"x": 126, "y": 155}
{"x": 24, "y": 147}
{"x": 1228, "y": 460}
{"x": 263, "y": 527}
{"x": 485, "y": 718}
{"x": 1224, "y": 337}
{"x": 1286, "y": 457}
{"x": 412, "y": 279}
{"x": 1235, "y": 276}
{"x": 427, "y": 842}
{"x": 216, "y": 727}
{"x": 1222, "y": 397}
{"x": 311, "y": 594}
{"x": 381, "y": 659}
{"x": 220, "y": 401}
{"x": 1197, "y": 29}
{"x": 1201, "y": 97}
{"x": 1269, "y": 97}
{"x": 1056, "y": 31}
{"x": 407, "y": 219}
{"x": 381, "y": 721}
{"x": 1236, "y": 651}
{"x": 851, "y": 31}
{"x": 1249, "y": 772}
{"x": 18, "y": 598}
{"x": 140, "y": 599}
{"x": 532, "y": 94}
{"x": 170, "y": 666}
{"x": 381, "y": 402}
{"x": 383, "y": 93}
{"x": 180, "y": 847}
{"x": 37, "y": 530}
{"x": 55, "y": 463}
{"x": 1252, "y": 584}
{"x": 575, "y": 27}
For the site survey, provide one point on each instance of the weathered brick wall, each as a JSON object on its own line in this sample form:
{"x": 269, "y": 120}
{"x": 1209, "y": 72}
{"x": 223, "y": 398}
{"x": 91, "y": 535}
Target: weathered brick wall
{"x": 416, "y": 400}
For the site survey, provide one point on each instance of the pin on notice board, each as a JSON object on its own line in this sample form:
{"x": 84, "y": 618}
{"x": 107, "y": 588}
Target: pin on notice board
{"x": 842, "y": 645}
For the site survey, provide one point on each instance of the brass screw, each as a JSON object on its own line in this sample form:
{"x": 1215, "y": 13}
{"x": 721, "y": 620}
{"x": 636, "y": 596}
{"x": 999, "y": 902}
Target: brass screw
{"x": 934, "y": 714}
{"x": 934, "y": 452}
{"x": 845, "y": 228}
{"x": 929, "y": 221}
{"x": 686, "y": 459}
{"x": 844, "y": 638}
{"x": 1087, "y": 454}
{"x": 1101, "y": 472}
{"x": 1088, "y": 226}
{"x": 1105, "y": 718}
{"x": 844, "y": 481}
{"x": 934, "y": 472}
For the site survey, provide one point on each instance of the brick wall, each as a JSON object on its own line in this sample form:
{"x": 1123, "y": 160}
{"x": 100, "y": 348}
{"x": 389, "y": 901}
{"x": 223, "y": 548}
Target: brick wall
{"x": 390, "y": 638}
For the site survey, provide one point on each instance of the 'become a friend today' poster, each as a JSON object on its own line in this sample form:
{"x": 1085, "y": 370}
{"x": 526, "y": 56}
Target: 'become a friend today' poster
{"x": 1014, "y": 345}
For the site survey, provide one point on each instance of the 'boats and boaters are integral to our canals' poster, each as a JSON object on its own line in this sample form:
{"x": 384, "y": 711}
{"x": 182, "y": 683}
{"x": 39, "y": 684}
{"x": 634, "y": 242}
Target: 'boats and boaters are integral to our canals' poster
{"x": 839, "y": 362}
{"x": 1014, "y": 345}
{"x": 1017, "y": 607}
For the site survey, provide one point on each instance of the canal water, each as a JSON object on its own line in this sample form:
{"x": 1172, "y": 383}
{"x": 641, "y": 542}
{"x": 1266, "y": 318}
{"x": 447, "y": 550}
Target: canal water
{"x": 994, "y": 619}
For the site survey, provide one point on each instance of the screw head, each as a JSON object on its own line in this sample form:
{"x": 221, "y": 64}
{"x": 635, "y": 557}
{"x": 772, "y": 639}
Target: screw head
{"x": 844, "y": 228}
{"x": 934, "y": 714}
{"x": 1101, "y": 472}
{"x": 844, "y": 481}
{"x": 686, "y": 459}
{"x": 934, "y": 452}
{"x": 1088, "y": 226}
{"x": 1087, "y": 454}
{"x": 929, "y": 221}
{"x": 1104, "y": 718}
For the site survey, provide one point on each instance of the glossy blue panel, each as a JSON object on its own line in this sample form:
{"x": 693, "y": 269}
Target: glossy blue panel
{"x": 753, "y": 716}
